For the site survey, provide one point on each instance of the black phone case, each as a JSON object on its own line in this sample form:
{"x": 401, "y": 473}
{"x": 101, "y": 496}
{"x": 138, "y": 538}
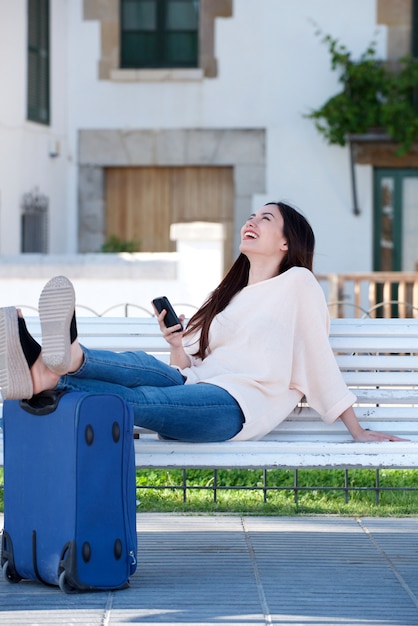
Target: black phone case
{"x": 171, "y": 318}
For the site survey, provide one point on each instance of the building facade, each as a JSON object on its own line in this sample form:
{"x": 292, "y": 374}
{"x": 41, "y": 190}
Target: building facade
{"x": 120, "y": 117}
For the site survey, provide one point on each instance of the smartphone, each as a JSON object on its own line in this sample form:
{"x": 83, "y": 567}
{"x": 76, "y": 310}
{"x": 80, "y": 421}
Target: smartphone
{"x": 171, "y": 318}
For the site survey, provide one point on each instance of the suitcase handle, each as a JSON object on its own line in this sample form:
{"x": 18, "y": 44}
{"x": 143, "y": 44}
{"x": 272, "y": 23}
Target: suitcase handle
{"x": 42, "y": 403}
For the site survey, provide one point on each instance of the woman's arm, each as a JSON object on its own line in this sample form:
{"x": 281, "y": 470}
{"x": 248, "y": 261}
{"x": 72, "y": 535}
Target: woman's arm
{"x": 350, "y": 421}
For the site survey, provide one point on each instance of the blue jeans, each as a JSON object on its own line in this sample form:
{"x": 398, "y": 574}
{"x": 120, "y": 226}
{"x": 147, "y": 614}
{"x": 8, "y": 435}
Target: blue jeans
{"x": 159, "y": 398}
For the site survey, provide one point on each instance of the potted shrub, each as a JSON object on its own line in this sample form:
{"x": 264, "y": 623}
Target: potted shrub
{"x": 375, "y": 97}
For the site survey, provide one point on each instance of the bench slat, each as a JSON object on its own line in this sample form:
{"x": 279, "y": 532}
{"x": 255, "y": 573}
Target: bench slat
{"x": 352, "y": 344}
{"x": 389, "y": 379}
{"x": 373, "y": 326}
{"x": 151, "y": 453}
{"x": 377, "y": 362}
{"x": 390, "y": 396}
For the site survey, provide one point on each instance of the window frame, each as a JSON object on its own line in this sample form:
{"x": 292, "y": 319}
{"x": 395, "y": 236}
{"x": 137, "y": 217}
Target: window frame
{"x": 161, "y": 34}
{"x": 38, "y": 62}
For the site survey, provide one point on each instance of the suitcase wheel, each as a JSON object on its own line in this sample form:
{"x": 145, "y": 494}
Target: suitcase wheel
{"x": 64, "y": 585}
{"x": 10, "y": 574}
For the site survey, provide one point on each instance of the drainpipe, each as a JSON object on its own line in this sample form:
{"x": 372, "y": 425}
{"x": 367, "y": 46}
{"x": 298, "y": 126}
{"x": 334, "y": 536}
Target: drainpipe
{"x": 356, "y": 208}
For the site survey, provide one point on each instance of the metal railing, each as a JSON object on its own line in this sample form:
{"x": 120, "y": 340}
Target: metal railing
{"x": 266, "y": 483}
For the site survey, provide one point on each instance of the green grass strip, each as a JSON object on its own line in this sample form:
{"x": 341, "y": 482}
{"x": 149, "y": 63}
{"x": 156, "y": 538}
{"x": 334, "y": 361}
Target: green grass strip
{"x": 163, "y": 491}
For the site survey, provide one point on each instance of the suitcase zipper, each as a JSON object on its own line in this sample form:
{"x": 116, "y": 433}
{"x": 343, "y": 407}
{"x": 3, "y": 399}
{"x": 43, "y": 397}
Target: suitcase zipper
{"x": 133, "y": 558}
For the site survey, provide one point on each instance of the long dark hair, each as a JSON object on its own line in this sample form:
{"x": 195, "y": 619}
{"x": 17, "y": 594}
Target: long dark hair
{"x": 300, "y": 250}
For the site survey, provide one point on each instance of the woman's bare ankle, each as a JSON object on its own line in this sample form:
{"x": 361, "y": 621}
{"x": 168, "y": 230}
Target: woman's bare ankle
{"x": 42, "y": 377}
{"x": 77, "y": 356}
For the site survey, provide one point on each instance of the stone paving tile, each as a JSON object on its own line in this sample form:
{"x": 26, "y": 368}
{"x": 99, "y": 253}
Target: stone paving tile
{"x": 337, "y": 571}
{"x": 246, "y": 571}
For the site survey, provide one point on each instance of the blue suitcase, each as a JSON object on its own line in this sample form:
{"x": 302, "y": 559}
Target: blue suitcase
{"x": 69, "y": 491}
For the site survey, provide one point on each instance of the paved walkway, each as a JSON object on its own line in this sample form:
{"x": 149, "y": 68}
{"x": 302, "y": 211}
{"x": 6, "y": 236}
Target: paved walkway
{"x": 246, "y": 571}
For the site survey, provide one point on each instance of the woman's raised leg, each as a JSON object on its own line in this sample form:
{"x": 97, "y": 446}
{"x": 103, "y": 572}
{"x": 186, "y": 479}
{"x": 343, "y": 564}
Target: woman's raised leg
{"x": 195, "y": 413}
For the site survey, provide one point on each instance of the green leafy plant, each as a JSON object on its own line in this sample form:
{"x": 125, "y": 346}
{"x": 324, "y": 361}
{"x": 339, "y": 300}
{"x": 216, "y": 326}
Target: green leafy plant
{"x": 114, "y": 244}
{"x": 374, "y": 96}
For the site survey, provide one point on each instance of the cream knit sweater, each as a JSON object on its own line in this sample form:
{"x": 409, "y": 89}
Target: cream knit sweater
{"x": 269, "y": 348}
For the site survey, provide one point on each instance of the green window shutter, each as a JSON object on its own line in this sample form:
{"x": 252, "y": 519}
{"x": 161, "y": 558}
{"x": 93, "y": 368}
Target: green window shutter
{"x": 414, "y": 42}
{"x": 159, "y": 33}
{"x": 38, "y": 62}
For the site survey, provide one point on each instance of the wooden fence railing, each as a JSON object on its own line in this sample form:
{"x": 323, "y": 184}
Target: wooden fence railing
{"x": 374, "y": 294}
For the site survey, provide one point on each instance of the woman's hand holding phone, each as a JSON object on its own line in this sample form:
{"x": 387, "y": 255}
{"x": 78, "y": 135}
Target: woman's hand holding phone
{"x": 170, "y": 318}
{"x": 171, "y": 325}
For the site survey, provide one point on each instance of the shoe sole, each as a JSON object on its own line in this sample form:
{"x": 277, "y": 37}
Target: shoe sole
{"x": 15, "y": 378}
{"x": 56, "y": 309}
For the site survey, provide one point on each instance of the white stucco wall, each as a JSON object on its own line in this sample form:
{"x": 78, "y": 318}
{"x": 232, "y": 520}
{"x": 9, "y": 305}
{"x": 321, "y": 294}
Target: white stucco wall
{"x": 272, "y": 70}
{"x": 25, "y": 161}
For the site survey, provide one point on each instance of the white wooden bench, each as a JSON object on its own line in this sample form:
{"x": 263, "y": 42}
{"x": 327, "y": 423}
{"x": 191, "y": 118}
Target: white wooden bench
{"x": 379, "y": 360}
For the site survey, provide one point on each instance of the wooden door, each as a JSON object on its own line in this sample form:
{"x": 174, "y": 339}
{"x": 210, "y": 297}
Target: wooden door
{"x": 142, "y": 203}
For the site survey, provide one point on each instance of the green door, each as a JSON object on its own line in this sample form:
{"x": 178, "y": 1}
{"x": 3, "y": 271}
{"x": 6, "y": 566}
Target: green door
{"x": 395, "y": 245}
{"x": 395, "y": 240}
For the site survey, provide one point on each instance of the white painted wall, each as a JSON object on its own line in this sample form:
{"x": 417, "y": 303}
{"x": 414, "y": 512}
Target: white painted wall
{"x": 272, "y": 70}
{"x": 25, "y": 163}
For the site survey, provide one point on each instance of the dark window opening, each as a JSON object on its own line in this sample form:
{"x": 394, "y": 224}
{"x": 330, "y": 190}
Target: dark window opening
{"x": 35, "y": 223}
{"x": 159, "y": 33}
